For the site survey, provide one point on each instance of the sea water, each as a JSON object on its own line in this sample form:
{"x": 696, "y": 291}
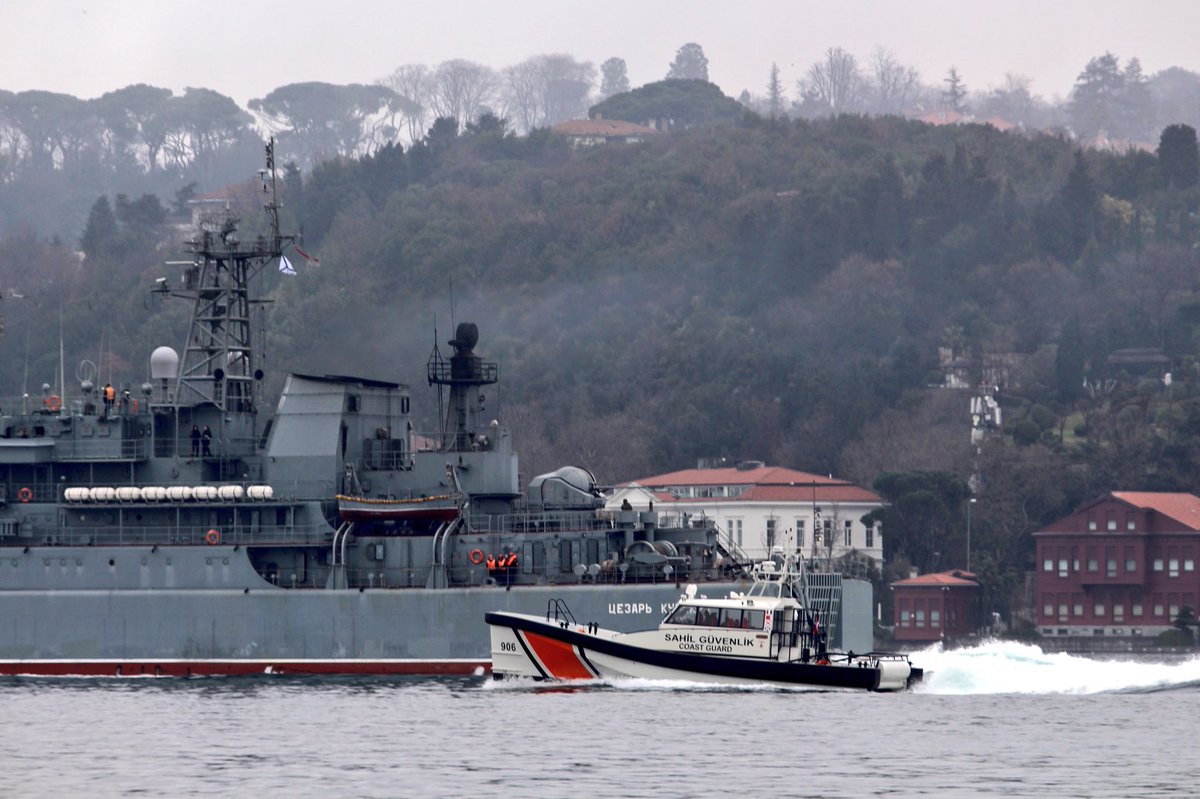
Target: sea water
{"x": 1001, "y": 719}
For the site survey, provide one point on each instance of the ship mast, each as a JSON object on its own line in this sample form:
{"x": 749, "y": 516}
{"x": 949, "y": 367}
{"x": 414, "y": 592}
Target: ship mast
{"x": 221, "y": 364}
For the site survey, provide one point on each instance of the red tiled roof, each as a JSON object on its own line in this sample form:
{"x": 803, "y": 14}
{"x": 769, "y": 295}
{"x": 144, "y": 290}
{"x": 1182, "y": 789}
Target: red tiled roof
{"x": 766, "y": 484}
{"x": 956, "y": 577}
{"x": 602, "y": 127}
{"x": 1183, "y": 508}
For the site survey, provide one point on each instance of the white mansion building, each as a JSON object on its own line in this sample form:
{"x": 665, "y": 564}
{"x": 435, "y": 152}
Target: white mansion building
{"x": 762, "y": 507}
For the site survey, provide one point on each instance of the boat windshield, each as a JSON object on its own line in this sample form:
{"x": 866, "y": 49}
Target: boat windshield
{"x": 765, "y": 589}
{"x": 701, "y": 616}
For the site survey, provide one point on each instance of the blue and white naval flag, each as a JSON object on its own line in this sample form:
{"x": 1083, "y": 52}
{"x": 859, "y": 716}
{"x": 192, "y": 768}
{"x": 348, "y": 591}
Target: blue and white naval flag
{"x": 285, "y": 266}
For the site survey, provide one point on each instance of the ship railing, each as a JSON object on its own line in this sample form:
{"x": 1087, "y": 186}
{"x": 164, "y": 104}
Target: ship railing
{"x": 182, "y": 535}
{"x": 114, "y": 448}
{"x": 537, "y": 522}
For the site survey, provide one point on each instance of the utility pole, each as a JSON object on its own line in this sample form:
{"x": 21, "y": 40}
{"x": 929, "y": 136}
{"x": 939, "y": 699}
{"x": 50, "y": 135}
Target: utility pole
{"x": 970, "y": 502}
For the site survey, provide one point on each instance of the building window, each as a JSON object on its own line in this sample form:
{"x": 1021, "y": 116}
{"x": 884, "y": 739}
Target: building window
{"x": 935, "y": 618}
{"x": 904, "y": 619}
{"x": 849, "y": 533}
{"x": 870, "y": 536}
{"x": 1048, "y": 565}
{"x": 1062, "y": 567}
{"x": 1130, "y": 524}
{"x": 1062, "y": 612}
{"x": 1173, "y": 568}
{"x": 1098, "y": 610}
{"x": 1158, "y": 609}
{"x": 1189, "y": 565}
{"x": 770, "y": 534}
{"x": 1111, "y": 521}
{"x": 1137, "y": 609}
{"x": 1118, "y": 613}
{"x": 1077, "y": 609}
{"x": 1158, "y": 564}
{"x": 1048, "y": 610}
{"x": 1091, "y": 521}
{"x": 800, "y": 527}
{"x": 1174, "y": 612}
{"x": 920, "y": 614}
{"x": 1075, "y": 558}
{"x": 827, "y": 533}
{"x": 1111, "y": 571}
{"x": 1093, "y": 565}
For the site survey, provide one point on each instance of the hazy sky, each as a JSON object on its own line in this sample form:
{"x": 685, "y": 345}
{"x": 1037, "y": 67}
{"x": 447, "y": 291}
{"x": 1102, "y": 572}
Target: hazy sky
{"x": 245, "y": 48}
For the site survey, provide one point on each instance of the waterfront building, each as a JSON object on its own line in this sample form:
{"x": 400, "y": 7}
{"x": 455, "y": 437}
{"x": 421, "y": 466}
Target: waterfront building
{"x": 1123, "y": 565}
{"x": 763, "y": 507}
{"x": 933, "y": 607}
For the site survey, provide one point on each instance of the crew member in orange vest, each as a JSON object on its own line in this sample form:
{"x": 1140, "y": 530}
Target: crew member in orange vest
{"x": 110, "y": 394}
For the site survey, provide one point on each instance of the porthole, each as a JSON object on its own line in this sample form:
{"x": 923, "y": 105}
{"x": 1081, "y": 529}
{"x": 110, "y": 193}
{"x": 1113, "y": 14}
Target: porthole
{"x": 225, "y": 561}
{"x": 112, "y": 562}
{"x": 168, "y": 561}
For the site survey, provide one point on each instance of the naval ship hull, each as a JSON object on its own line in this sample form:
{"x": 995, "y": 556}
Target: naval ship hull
{"x": 268, "y": 629}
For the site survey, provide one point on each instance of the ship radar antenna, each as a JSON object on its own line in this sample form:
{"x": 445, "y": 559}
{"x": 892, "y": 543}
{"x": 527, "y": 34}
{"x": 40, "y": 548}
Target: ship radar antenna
{"x": 223, "y": 357}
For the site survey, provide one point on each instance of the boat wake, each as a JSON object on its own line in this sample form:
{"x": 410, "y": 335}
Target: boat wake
{"x": 1008, "y": 667}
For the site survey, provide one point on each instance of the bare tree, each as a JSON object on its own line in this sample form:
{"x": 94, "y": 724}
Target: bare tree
{"x": 547, "y": 89}
{"x": 895, "y": 86}
{"x": 462, "y": 89}
{"x": 834, "y": 82}
{"x": 413, "y": 82}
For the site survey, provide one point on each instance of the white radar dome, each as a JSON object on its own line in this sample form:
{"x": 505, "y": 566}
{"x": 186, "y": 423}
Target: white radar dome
{"x": 164, "y": 363}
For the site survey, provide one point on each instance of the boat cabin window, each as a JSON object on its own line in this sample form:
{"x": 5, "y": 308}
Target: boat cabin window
{"x": 684, "y": 614}
{"x": 742, "y": 619}
{"x": 736, "y": 618}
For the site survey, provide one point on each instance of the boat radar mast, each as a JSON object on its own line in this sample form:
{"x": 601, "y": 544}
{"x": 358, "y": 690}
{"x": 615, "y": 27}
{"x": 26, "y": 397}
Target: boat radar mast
{"x": 221, "y": 362}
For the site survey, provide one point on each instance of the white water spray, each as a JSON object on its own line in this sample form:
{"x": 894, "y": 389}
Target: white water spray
{"x": 1008, "y": 667}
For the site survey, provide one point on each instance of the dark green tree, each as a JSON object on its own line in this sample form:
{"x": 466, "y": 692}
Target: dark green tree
{"x": 1069, "y": 360}
{"x": 101, "y": 235}
{"x": 1178, "y": 156}
{"x": 1096, "y": 97}
{"x": 613, "y": 78}
{"x": 690, "y": 64}
{"x": 954, "y": 96}
{"x": 687, "y": 102}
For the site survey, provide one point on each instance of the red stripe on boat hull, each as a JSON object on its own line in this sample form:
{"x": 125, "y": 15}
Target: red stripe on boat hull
{"x": 558, "y": 658}
{"x": 230, "y": 668}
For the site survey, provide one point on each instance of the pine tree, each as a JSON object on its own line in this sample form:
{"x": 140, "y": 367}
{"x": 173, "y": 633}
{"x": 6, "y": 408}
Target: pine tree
{"x": 774, "y": 94}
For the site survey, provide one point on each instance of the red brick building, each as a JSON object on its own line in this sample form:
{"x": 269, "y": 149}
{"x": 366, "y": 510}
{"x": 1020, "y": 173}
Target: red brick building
{"x": 934, "y": 606}
{"x": 1123, "y": 565}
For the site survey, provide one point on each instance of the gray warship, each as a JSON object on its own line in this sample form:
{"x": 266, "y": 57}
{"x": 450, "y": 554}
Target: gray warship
{"x": 184, "y": 529}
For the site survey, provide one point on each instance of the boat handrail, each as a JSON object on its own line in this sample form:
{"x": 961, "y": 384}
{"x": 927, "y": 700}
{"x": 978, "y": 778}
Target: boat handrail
{"x": 557, "y": 610}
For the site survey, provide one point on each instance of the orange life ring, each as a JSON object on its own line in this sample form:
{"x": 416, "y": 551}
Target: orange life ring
{"x": 476, "y": 556}
{"x": 822, "y": 662}
{"x": 25, "y": 494}
{"x": 212, "y": 537}
{"x": 53, "y": 402}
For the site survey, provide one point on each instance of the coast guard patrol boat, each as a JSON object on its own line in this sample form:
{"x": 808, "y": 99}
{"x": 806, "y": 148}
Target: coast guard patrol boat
{"x": 769, "y": 634}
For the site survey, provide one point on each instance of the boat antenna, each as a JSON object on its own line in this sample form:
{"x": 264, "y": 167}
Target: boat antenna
{"x": 436, "y": 358}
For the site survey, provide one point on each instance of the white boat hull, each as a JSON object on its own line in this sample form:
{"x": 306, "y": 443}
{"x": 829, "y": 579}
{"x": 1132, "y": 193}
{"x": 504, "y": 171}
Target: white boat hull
{"x": 534, "y": 647}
